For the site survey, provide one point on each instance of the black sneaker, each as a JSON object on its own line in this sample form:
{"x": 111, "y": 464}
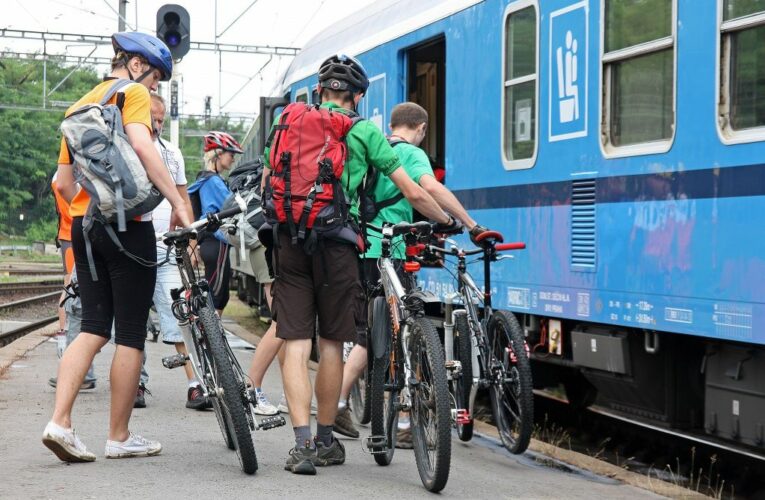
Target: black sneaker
{"x": 301, "y": 460}
{"x": 196, "y": 400}
{"x": 140, "y": 401}
{"x": 344, "y": 424}
{"x": 333, "y": 454}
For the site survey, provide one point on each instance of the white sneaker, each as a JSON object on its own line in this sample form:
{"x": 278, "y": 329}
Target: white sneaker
{"x": 264, "y": 406}
{"x": 285, "y": 409}
{"x": 65, "y": 444}
{"x": 134, "y": 446}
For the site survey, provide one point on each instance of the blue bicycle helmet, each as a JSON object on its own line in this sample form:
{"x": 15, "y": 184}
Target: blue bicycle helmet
{"x": 147, "y": 46}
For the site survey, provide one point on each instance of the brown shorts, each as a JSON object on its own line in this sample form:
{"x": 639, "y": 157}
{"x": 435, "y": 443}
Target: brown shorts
{"x": 325, "y": 284}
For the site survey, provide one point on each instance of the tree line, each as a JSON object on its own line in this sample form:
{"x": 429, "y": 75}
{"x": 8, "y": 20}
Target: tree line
{"x": 30, "y": 140}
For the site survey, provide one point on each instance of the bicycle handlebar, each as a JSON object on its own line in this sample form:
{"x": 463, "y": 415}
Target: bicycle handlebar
{"x": 501, "y": 247}
{"x": 211, "y": 218}
{"x": 422, "y": 228}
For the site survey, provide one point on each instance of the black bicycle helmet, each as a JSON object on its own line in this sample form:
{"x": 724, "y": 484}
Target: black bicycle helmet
{"x": 342, "y": 72}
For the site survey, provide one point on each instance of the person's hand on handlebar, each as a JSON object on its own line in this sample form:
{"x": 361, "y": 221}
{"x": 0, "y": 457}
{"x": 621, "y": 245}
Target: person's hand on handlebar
{"x": 452, "y": 227}
{"x": 477, "y": 231}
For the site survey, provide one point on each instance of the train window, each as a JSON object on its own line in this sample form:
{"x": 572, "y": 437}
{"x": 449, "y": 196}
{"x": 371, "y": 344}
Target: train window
{"x": 520, "y": 90}
{"x": 302, "y": 95}
{"x": 638, "y": 109}
{"x": 741, "y": 109}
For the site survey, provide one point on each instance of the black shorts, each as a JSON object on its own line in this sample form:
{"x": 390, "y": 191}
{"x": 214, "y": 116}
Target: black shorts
{"x": 124, "y": 289}
{"x": 325, "y": 284}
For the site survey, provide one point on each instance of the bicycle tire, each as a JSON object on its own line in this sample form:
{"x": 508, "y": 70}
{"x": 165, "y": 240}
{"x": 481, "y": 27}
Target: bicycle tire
{"x": 512, "y": 401}
{"x": 360, "y": 398}
{"x": 380, "y": 377}
{"x": 233, "y": 401}
{"x": 431, "y": 401}
{"x": 205, "y": 357}
{"x": 464, "y": 353}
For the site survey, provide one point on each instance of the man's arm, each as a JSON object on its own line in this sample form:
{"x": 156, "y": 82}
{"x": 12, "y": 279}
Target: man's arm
{"x": 65, "y": 182}
{"x": 418, "y": 197}
{"x": 174, "y": 220}
{"x": 140, "y": 140}
{"x": 446, "y": 200}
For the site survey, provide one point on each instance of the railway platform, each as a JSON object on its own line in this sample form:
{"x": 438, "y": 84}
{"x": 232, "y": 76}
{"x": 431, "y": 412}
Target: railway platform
{"x": 195, "y": 462}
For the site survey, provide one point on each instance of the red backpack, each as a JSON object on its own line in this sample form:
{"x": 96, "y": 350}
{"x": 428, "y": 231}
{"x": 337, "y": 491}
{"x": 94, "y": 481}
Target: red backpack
{"x": 308, "y": 154}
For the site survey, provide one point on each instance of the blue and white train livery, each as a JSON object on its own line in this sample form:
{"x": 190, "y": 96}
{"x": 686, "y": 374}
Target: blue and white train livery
{"x": 623, "y": 142}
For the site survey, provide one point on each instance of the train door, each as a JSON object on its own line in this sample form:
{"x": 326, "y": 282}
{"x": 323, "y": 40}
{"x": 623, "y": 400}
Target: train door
{"x": 426, "y": 85}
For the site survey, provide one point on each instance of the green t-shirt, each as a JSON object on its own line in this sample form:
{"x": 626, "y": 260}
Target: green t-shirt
{"x": 366, "y": 146}
{"x": 416, "y": 164}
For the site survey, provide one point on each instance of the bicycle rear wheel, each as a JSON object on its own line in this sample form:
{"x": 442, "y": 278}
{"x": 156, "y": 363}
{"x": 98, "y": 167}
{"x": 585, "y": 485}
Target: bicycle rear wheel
{"x": 464, "y": 353}
{"x": 431, "y": 421}
{"x": 512, "y": 399}
{"x": 231, "y": 403}
{"x": 382, "y": 411}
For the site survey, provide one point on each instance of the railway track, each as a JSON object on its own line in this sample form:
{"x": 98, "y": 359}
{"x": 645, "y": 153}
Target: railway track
{"x": 30, "y": 287}
{"x": 713, "y": 467}
{"x": 15, "y": 334}
{"x": 29, "y": 301}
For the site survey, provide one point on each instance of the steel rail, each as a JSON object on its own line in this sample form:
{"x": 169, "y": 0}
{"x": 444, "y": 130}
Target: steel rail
{"x": 31, "y": 300}
{"x": 15, "y": 334}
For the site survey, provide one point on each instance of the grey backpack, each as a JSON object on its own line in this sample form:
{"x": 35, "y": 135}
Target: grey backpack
{"x": 107, "y": 167}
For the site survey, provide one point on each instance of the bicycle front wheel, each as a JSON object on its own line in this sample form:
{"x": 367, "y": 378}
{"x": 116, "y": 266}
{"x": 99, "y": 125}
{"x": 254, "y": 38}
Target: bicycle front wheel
{"x": 512, "y": 399}
{"x": 230, "y": 391}
{"x": 431, "y": 421}
{"x": 463, "y": 351}
{"x": 206, "y": 360}
{"x": 360, "y": 398}
{"x": 382, "y": 408}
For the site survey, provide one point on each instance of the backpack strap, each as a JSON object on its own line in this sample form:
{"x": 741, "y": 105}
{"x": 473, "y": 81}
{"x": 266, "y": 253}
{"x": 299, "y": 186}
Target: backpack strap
{"x": 118, "y": 85}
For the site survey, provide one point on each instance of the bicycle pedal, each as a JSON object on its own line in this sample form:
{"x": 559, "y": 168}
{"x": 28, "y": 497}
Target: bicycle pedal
{"x": 272, "y": 422}
{"x": 377, "y": 445}
{"x": 174, "y": 361}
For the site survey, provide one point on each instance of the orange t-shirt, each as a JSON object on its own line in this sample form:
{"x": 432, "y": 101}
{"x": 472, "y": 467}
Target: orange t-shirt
{"x": 64, "y": 217}
{"x": 137, "y": 109}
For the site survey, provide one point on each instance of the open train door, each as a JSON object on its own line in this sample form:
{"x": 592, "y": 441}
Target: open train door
{"x": 426, "y": 85}
{"x": 269, "y": 108}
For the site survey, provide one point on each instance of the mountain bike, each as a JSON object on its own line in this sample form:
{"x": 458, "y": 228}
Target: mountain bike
{"x": 486, "y": 348}
{"x": 408, "y": 364}
{"x": 223, "y": 382}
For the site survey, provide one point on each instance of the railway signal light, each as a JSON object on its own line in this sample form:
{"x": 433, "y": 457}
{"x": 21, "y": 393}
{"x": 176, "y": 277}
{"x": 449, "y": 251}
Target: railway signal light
{"x": 173, "y": 28}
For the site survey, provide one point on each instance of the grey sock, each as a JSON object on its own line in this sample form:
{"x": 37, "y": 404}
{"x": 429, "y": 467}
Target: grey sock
{"x": 324, "y": 434}
{"x": 303, "y": 436}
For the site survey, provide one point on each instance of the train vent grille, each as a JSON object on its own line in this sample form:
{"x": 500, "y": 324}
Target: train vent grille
{"x": 583, "y": 224}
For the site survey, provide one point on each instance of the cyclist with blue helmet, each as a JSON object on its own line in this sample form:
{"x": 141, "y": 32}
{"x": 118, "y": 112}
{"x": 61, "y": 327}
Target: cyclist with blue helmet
{"x": 124, "y": 290}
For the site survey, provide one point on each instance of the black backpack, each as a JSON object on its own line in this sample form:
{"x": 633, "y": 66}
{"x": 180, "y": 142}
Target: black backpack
{"x": 368, "y": 206}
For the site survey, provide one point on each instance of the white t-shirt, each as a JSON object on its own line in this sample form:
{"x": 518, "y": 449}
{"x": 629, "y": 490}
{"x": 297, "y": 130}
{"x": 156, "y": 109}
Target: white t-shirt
{"x": 173, "y": 160}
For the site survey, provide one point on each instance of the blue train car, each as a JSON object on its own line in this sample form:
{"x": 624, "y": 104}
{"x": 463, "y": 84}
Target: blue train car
{"x": 622, "y": 141}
